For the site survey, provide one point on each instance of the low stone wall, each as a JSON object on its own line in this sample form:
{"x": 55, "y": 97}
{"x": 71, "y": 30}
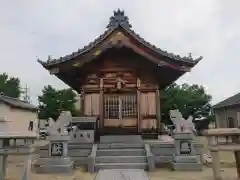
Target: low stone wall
{"x": 164, "y": 151}
{"x": 78, "y": 152}
{"x": 161, "y": 153}
{"x": 84, "y": 136}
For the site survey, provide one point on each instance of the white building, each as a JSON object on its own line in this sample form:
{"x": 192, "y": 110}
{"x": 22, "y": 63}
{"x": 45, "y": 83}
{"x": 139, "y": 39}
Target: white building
{"x": 18, "y": 115}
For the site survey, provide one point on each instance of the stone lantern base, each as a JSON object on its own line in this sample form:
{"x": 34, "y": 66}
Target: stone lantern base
{"x": 58, "y": 160}
{"x": 185, "y": 157}
{"x": 54, "y": 165}
{"x": 186, "y": 163}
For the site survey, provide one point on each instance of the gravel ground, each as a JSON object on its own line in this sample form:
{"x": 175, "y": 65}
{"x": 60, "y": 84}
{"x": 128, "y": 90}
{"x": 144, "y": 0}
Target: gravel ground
{"x": 15, "y": 171}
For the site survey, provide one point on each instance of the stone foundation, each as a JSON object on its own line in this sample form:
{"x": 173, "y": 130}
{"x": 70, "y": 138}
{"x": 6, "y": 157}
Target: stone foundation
{"x": 156, "y": 153}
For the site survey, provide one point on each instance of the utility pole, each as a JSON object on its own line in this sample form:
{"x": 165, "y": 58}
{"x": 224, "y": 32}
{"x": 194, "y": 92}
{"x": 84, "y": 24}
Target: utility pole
{"x": 25, "y": 91}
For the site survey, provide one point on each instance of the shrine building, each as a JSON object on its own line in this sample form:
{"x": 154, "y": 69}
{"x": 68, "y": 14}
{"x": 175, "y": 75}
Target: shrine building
{"x": 120, "y": 76}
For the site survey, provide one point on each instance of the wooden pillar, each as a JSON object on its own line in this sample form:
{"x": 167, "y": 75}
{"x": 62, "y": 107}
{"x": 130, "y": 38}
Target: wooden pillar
{"x": 158, "y": 111}
{"x": 215, "y": 165}
{"x": 139, "y": 119}
{"x": 101, "y": 106}
{"x": 82, "y": 104}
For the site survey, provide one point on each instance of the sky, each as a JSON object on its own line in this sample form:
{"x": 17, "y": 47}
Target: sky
{"x": 32, "y": 29}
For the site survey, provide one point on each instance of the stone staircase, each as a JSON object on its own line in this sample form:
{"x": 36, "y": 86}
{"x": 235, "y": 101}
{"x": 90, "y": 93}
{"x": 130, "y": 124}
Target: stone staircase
{"x": 114, "y": 154}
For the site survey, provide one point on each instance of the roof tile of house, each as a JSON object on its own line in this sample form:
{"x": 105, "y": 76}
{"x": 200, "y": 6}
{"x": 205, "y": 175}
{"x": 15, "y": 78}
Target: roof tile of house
{"x": 17, "y": 103}
{"x": 231, "y": 101}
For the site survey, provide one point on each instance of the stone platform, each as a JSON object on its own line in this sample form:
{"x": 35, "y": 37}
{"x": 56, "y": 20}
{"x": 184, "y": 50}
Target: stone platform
{"x": 128, "y": 152}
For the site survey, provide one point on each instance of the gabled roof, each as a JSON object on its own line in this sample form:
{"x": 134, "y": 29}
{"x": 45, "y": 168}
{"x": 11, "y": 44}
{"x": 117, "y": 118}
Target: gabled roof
{"x": 17, "y": 103}
{"x": 119, "y": 20}
{"x": 231, "y": 101}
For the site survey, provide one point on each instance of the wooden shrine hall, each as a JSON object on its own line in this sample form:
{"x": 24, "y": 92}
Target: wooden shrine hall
{"x": 120, "y": 76}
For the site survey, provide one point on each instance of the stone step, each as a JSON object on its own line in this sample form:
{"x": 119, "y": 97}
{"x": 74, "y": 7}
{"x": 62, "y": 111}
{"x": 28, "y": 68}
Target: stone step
{"x": 187, "y": 166}
{"x": 48, "y": 168}
{"x": 121, "y": 138}
{"x": 120, "y": 145}
{"x": 46, "y": 161}
{"x": 121, "y": 159}
{"x": 80, "y": 161}
{"x": 80, "y": 145}
{"x": 121, "y": 152}
{"x": 100, "y": 166}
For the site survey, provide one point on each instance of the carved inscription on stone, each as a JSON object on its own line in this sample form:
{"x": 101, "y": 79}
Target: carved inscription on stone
{"x": 57, "y": 149}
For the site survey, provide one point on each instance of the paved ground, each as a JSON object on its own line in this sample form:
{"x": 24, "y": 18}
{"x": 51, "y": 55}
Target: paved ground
{"x": 15, "y": 170}
{"x": 123, "y": 174}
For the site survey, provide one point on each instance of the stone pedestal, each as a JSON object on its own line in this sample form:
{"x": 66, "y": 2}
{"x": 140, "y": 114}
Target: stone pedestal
{"x": 185, "y": 156}
{"x": 58, "y": 161}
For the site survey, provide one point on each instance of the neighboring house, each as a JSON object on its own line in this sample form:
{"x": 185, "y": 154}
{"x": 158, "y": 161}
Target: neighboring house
{"x": 228, "y": 112}
{"x": 18, "y": 115}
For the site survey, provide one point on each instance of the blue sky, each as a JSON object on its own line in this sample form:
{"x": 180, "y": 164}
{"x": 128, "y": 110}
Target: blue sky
{"x": 209, "y": 28}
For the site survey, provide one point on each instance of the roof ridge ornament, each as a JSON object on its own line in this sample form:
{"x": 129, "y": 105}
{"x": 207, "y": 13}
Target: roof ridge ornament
{"x": 117, "y": 19}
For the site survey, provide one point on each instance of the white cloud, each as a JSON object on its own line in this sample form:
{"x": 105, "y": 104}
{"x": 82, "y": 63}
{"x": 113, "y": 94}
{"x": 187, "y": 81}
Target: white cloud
{"x": 31, "y": 29}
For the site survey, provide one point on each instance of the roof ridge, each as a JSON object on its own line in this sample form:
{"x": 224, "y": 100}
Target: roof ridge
{"x": 222, "y": 103}
{"x": 9, "y": 97}
{"x": 119, "y": 19}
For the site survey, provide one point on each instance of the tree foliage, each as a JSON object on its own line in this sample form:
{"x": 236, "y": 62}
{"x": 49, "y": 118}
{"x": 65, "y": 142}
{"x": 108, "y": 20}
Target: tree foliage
{"x": 53, "y": 101}
{"x": 191, "y": 100}
{"x": 10, "y": 86}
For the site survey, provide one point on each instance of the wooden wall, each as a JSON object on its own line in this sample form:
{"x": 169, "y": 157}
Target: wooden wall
{"x": 125, "y": 122}
{"x": 121, "y": 75}
{"x": 91, "y": 104}
{"x": 148, "y": 110}
{"x": 148, "y": 104}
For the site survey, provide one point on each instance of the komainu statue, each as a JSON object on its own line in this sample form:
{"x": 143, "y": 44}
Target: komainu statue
{"x": 60, "y": 125}
{"x": 181, "y": 125}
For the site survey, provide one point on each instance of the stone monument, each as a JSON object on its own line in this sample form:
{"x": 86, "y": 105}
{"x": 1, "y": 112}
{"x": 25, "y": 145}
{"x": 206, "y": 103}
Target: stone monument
{"x": 185, "y": 156}
{"x": 58, "y": 161}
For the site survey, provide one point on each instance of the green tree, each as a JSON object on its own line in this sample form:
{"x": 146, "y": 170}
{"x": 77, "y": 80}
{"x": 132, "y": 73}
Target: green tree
{"x": 53, "y": 101}
{"x": 10, "y": 86}
{"x": 191, "y": 100}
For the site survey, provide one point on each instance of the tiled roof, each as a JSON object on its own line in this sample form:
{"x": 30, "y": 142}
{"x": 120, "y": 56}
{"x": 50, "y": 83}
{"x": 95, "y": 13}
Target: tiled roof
{"x": 119, "y": 20}
{"x": 17, "y": 103}
{"x": 233, "y": 100}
